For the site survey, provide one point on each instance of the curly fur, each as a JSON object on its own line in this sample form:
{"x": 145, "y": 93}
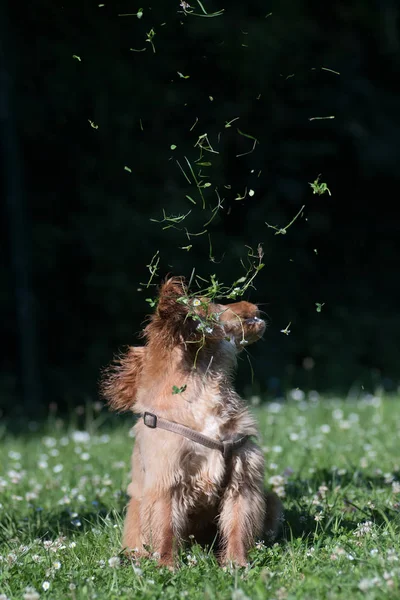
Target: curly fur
{"x": 180, "y": 488}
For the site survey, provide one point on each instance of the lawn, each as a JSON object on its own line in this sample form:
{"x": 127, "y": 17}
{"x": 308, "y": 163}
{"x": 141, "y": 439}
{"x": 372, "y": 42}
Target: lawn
{"x": 334, "y": 462}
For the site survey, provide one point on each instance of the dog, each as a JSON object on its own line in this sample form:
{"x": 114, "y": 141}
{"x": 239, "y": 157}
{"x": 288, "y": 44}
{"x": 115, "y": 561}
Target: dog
{"x": 195, "y": 469}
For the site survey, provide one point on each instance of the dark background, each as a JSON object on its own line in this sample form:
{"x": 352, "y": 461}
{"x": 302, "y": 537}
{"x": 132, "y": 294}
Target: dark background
{"x": 76, "y": 234}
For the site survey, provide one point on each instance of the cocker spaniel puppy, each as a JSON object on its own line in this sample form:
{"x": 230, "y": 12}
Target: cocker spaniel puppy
{"x": 195, "y": 467}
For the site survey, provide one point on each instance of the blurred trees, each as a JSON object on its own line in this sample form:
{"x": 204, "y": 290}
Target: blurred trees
{"x": 98, "y": 113}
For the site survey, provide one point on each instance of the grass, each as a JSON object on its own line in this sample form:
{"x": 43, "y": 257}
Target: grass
{"x": 334, "y": 462}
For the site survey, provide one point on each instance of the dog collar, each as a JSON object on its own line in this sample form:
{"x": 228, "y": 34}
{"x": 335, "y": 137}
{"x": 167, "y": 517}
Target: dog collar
{"x": 227, "y": 447}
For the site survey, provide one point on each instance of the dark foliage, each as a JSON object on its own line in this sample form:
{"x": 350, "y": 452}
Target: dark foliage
{"x": 88, "y": 218}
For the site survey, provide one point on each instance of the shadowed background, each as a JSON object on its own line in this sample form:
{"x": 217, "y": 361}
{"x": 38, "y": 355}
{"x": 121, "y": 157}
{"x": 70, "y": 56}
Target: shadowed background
{"x": 91, "y": 132}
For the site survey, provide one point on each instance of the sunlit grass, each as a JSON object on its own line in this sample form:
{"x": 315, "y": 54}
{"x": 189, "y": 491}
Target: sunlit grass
{"x": 335, "y": 464}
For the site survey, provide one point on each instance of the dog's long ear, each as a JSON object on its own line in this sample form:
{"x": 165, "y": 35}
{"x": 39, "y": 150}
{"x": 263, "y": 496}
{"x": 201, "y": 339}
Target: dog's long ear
{"x": 181, "y": 317}
{"x": 171, "y": 303}
{"x": 120, "y": 381}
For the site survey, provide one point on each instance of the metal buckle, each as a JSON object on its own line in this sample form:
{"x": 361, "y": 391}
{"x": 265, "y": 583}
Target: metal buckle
{"x": 150, "y": 420}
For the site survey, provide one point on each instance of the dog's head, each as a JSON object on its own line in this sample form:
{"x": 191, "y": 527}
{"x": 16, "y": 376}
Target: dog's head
{"x": 183, "y": 318}
{"x": 185, "y": 321}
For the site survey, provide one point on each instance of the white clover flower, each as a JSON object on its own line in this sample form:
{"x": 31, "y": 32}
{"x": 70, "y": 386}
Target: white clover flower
{"x": 325, "y": 428}
{"x": 396, "y": 487}
{"x": 297, "y": 395}
{"x": 64, "y": 500}
{"x": 58, "y": 468}
{"x": 31, "y": 496}
{"x": 363, "y": 528}
{"x": 280, "y": 491}
{"x": 318, "y": 517}
{"x": 138, "y": 571}
{"x": 14, "y": 455}
{"x": 365, "y": 584}
{"x": 30, "y": 594}
{"x": 114, "y": 562}
{"x": 293, "y": 436}
{"x": 80, "y": 437}
{"x": 239, "y": 594}
{"x": 49, "y": 442}
{"x": 192, "y": 560}
{"x": 354, "y": 418}
{"x": 392, "y": 555}
{"x": 337, "y": 414}
{"x": 322, "y": 490}
{"x": 276, "y": 480}
{"x": 15, "y": 476}
{"x": 119, "y": 464}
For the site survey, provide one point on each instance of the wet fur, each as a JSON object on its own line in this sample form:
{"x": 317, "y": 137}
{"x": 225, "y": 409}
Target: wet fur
{"x": 180, "y": 488}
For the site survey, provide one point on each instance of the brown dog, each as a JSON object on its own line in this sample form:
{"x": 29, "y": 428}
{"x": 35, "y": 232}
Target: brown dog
{"x": 182, "y": 484}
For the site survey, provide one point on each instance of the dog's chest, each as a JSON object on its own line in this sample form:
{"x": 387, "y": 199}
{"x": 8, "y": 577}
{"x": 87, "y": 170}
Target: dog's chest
{"x": 210, "y": 412}
{"x": 202, "y": 475}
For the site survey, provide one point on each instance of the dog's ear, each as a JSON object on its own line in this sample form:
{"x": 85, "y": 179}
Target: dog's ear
{"x": 181, "y": 317}
{"x": 120, "y": 381}
{"x": 171, "y": 301}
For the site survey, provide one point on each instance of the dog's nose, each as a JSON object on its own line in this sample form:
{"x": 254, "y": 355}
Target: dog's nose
{"x": 253, "y": 320}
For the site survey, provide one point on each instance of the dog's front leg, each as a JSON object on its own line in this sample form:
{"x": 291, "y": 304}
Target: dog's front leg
{"x": 241, "y": 521}
{"x": 132, "y": 538}
{"x": 156, "y": 521}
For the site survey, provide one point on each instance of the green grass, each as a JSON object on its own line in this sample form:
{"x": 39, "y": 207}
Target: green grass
{"x": 336, "y": 464}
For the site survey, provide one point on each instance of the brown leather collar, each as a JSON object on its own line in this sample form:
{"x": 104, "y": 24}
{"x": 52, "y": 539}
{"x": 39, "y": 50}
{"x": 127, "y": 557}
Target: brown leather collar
{"x": 228, "y": 447}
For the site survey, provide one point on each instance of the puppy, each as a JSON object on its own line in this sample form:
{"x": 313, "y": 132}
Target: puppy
{"x": 194, "y": 465}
